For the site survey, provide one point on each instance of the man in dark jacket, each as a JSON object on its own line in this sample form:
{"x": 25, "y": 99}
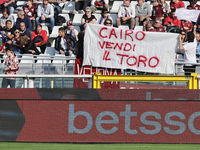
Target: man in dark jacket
{"x": 61, "y": 44}
{"x": 23, "y": 18}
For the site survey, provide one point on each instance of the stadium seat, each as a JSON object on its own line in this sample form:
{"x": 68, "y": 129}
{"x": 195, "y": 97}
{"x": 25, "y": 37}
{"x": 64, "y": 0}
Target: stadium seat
{"x": 138, "y": 28}
{"x": 69, "y": 7}
{"x": 50, "y": 50}
{"x": 115, "y": 6}
{"x": 27, "y": 59}
{"x": 15, "y": 16}
{"x": 41, "y": 58}
{"x": 77, "y": 28}
{"x": 123, "y": 27}
{"x": 46, "y": 29}
{"x": 26, "y": 64}
{"x": 66, "y": 17}
{"x": 114, "y": 17}
{"x": 186, "y": 3}
{"x": 54, "y": 33}
{"x": 97, "y": 16}
{"x": 77, "y": 19}
{"x": 133, "y": 3}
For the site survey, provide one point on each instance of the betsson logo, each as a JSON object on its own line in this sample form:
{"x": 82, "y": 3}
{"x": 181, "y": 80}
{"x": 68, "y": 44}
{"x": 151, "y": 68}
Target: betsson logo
{"x": 128, "y": 114}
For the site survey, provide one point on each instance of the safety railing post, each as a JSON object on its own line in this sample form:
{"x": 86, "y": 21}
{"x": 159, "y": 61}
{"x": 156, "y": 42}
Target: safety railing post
{"x": 96, "y": 82}
{"x": 194, "y": 80}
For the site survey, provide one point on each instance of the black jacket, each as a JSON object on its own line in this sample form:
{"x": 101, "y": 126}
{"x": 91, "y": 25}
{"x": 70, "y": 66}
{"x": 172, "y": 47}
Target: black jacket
{"x": 58, "y": 45}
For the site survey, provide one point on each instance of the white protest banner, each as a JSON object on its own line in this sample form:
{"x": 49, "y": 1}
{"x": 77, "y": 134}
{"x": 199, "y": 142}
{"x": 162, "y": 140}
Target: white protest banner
{"x": 186, "y": 14}
{"x": 128, "y": 49}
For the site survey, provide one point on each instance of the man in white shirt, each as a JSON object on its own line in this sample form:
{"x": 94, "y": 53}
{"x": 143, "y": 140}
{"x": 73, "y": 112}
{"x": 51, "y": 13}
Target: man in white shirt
{"x": 190, "y": 52}
{"x": 126, "y": 14}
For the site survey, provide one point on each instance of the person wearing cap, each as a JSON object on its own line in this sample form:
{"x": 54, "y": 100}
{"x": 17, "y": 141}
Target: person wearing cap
{"x": 30, "y": 11}
{"x": 11, "y": 63}
{"x": 70, "y": 30}
{"x": 40, "y": 33}
{"x": 45, "y": 14}
{"x": 142, "y": 12}
{"x": 126, "y": 14}
{"x": 99, "y": 5}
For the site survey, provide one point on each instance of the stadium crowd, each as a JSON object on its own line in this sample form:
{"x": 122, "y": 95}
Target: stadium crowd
{"x": 25, "y": 35}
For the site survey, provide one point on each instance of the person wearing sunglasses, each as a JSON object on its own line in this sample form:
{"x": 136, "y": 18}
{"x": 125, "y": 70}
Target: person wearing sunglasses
{"x": 87, "y": 18}
{"x": 158, "y": 25}
{"x": 15, "y": 41}
{"x": 104, "y": 16}
{"x": 126, "y": 14}
{"x": 108, "y": 22}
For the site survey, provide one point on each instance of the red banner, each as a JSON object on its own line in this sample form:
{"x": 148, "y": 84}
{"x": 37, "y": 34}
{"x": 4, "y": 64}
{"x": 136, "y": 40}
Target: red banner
{"x": 88, "y": 70}
{"x": 110, "y": 121}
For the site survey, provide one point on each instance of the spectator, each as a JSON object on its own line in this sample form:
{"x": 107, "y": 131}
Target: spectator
{"x": 30, "y": 11}
{"x": 8, "y": 31}
{"x": 36, "y": 3}
{"x": 158, "y": 11}
{"x": 80, "y": 5}
{"x": 142, "y": 12}
{"x": 176, "y": 4}
{"x": 70, "y": 30}
{"x": 165, "y": 6}
{"x": 14, "y": 42}
{"x": 45, "y": 14}
{"x": 57, "y": 8}
{"x": 108, "y": 22}
{"x": 12, "y": 67}
{"x": 23, "y": 18}
{"x": 171, "y": 21}
{"x": 149, "y": 26}
{"x": 6, "y": 16}
{"x": 23, "y": 29}
{"x": 99, "y": 4}
{"x": 158, "y": 25}
{"x": 186, "y": 25}
{"x": 183, "y": 36}
{"x": 126, "y": 14}
{"x": 27, "y": 46}
{"x": 87, "y": 18}
{"x": 10, "y": 4}
{"x": 198, "y": 46}
{"x": 61, "y": 44}
{"x": 193, "y": 5}
{"x": 104, "y": 16}
{"x": 39, "y": 37}
{"x": 190, "y": 52}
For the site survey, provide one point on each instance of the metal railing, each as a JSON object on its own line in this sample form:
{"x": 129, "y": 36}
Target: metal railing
{"x": 28, "y": 80}
{"x": 192, "y": 80}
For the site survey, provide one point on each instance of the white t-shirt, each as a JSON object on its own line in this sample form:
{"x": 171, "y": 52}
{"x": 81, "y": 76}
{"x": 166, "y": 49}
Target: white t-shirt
{"x": 190, "y": 52}
{"x": 63, "y": 43}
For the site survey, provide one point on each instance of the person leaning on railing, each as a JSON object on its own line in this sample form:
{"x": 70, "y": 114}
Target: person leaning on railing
{"x": 190, "y": 51}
